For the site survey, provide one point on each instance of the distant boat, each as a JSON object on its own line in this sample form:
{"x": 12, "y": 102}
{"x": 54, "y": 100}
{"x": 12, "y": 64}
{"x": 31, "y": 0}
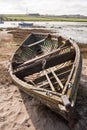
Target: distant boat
{"x": 23, "y": 24}
{"x": 1, "y": 22}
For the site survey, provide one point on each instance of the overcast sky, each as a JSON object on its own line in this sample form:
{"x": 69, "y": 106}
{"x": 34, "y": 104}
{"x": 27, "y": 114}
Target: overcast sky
{"x": 56, "y": 7}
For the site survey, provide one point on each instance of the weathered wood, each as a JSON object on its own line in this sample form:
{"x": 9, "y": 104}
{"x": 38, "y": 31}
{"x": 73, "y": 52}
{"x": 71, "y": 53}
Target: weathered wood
{"x": 58, "y": 73}
{"x": 36, "y": 43}
{"x": 43, "y": 56}
{"x": 49, "y": 81}
{"x": 74, "y": 79}
{"x": 58, "y": 80}
{"x": 45, "y": 84}
{"x": 42, "y": 79}
{"x": 56, "y": 100}
{"x": 68, "y": 81}
{"x": 50, "y": 62}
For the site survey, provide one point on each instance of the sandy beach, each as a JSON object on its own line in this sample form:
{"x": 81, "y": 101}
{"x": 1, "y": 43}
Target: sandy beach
{"x": 19, "y": 111}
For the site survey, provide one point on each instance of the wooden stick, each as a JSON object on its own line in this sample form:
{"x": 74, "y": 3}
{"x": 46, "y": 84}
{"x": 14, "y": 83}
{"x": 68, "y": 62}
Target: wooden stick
{"x": 49, "y": 81}
{"x": 58, "y": 71}
{"x": 58, "y": 80}
{"x": 38, "y": 42}
{"x": 46, "y": 83}
{"x": 66, "y": 85}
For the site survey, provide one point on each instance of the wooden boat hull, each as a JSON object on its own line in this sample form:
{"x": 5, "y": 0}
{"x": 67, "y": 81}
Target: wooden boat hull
{"x": 59, "y": 72}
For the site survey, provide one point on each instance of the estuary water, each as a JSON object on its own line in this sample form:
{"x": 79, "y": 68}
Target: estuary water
{"x": 75, "y": 30}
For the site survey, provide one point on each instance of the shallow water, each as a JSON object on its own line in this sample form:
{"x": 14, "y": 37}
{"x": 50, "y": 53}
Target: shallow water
{"x": 74, "y": 30}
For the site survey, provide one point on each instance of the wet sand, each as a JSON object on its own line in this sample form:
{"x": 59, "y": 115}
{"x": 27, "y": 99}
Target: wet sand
{"x": 18, "y": 111}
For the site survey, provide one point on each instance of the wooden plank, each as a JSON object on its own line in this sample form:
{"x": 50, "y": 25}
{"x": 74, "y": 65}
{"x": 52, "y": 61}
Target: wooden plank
{"x": 49, "y": 81}
{"x": 42, "y": 85}
{"x": 33, "y": 44}
{"x": 58, "y": 72}
{"x": 38, "y": 42}
{"x": 50, "y": 62}
{"x": 42, "y": 57}
{"x": 58, "y": 80}
{"x": 68, "y": 81}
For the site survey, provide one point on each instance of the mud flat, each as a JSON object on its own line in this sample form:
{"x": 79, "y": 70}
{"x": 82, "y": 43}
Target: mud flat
{"x": 18, "y": 111}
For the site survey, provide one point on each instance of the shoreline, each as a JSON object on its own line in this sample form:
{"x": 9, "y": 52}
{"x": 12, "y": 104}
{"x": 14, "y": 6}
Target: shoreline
{"x": 23, "y": 17}
{"x": 84, "y": 21}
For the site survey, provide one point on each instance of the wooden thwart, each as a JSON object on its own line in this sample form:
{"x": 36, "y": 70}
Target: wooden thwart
{"x": 50, "y": 62}
{"x": 42, "y": 57}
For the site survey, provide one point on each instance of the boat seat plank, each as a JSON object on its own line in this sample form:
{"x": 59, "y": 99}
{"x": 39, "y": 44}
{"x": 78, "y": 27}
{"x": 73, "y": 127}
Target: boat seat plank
{"x": 43, "y": 56}
{"x": 50, "y": 62}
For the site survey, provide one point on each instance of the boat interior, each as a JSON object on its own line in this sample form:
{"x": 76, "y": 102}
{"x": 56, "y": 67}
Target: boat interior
{"x": 44, "y": 62}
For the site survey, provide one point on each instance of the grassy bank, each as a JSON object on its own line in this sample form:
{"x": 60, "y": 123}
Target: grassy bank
{"x": 42, "y": 18}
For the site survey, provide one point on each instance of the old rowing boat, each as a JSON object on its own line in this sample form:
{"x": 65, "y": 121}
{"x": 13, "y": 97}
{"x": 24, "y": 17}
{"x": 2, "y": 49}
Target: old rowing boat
{"x": 48, "y": 68}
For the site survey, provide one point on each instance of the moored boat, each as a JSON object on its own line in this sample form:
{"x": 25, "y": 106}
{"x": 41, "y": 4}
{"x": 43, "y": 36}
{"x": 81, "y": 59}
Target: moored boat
{"x": 48, "y": 68}
{"x": 1, "y": 22}
{"x": 25, "y": 24}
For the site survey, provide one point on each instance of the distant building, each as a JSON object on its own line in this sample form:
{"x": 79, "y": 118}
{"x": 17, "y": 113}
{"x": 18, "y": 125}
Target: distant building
{"x": 35, "y": 14}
